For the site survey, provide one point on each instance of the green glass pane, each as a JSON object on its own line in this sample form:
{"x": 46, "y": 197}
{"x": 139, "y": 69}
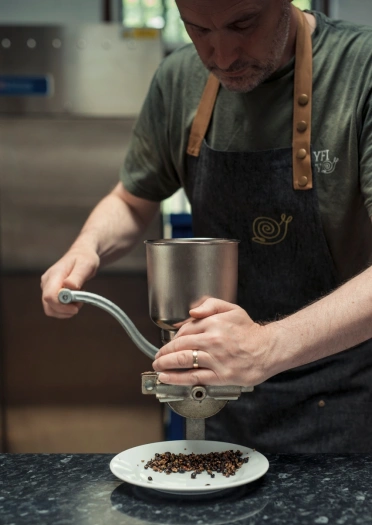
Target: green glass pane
{"x": 143, "y": 13}
{"x": 163, "y": 14}
{"x": 174, "y": 30}
{"x": 302, "y": 4}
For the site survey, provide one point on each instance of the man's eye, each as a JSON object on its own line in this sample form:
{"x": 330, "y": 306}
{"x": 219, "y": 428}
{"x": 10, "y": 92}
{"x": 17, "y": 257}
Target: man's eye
{"x": 198, "y": 29}
{"x": 201, "y": 30}
{"x": 244, "y": 24}
{"x": 241, "y": 27}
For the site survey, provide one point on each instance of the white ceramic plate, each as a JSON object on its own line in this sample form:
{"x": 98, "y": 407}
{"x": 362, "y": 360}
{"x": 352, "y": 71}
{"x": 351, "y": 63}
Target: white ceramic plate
{"x": 129, "y": 466}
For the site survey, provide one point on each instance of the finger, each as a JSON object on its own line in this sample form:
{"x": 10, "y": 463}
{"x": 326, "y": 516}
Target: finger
{"x": 50, "y": 301}
{"x": 200, "y": 376}
{"x": 185, "y": 359}
{"x": 61, "y": 316}
{"x": 80, "y": 273}
{"x": 193, "y": 326}
{"x": 61, "y": 311}
{"x": 186, "y": 342}
{"x": 212, "y": 307}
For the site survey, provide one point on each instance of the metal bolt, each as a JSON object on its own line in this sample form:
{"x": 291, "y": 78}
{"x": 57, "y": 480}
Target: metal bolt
{"x": 199, "y": 393}
{"x": 149, "y": 385}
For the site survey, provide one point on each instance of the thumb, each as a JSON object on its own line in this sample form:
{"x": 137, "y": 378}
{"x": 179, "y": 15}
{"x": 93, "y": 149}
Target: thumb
{"x": 210, "y": 307}
{"x": 80, "y": 273}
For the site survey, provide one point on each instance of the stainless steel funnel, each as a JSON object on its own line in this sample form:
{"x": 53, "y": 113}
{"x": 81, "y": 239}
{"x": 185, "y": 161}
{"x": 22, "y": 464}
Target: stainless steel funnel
{"x": 182, "y": 273}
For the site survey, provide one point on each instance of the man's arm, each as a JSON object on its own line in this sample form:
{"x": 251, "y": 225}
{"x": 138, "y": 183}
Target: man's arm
{"x": 235, "y": 350}
{"x": 112, "y": 229}
{"x": 335, "y": 323}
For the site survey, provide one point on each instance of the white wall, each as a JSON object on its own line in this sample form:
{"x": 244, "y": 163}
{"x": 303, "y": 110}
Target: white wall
{"x": 54, "y": 11}
{"x": 358, "y": 11}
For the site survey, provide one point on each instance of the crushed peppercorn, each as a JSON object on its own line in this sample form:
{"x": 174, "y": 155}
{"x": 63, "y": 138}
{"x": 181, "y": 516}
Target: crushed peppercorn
{"x": 226, "y": 463}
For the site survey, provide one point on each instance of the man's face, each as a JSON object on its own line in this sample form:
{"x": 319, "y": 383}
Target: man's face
{"x": 240, "y": 41}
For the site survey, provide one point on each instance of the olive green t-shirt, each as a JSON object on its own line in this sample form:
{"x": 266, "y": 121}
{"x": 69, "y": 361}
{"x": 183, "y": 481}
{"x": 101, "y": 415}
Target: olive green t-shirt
{"x": 155, "y": 164}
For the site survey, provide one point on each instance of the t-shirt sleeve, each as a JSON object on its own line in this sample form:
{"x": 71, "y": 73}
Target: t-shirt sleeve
{"x": 365, "y": 154}
{"x": 148, "y": 171}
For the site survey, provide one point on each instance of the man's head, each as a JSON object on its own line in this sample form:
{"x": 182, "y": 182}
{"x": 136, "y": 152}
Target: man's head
{"x": 241, "y": 41}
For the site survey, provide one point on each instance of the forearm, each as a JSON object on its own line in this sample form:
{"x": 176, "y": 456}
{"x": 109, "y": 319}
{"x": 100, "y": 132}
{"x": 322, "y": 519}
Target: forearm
{"x": 234, "y": 350}
{"x": 334, "y": 323}
{"x": 115, "y": 225}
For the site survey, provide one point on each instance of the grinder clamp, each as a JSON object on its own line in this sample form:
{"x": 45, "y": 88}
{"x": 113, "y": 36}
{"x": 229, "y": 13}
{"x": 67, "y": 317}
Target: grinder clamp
{"x": 195, "y": 403}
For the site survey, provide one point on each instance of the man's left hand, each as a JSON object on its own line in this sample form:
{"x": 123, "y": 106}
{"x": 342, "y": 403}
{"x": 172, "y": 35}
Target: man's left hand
{"x": 232, "y": 349}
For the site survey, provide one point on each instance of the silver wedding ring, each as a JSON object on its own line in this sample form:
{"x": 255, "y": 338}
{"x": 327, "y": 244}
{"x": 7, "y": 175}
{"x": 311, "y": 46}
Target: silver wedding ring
{"x": 195, "y": 362}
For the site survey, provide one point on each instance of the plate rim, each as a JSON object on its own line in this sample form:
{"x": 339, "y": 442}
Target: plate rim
{"x": 193, "y": 490}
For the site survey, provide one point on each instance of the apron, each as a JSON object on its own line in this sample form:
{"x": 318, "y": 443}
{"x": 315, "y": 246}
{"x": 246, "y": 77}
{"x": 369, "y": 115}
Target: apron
{"x": 268, "y": 200}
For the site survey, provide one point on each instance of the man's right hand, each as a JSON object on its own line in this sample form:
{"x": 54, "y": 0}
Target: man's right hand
{"x": 111, "y": 231}
{"x": 76, "y": 267}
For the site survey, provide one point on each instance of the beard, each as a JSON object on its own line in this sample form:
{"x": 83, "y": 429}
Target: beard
{"x": 244, "y": 75}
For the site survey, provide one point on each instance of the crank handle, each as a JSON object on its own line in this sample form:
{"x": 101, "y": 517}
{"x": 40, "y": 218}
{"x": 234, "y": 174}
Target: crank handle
{"x": 66, "y": 296}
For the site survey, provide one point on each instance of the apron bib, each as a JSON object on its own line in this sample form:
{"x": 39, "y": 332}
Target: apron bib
{"x": 268, "y": 200}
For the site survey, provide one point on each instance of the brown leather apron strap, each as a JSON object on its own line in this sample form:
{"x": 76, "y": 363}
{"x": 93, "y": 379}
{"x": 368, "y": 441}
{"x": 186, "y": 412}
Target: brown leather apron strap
{"x": 302, "y": 103}
{"x": 203, "y": 116}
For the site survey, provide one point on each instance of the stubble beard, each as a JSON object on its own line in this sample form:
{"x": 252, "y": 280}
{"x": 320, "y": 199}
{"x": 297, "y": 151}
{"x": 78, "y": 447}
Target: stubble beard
{"x": 257, "y": 72}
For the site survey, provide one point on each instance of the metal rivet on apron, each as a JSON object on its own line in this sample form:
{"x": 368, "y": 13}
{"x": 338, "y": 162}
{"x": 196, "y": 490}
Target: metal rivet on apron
{"x": 301, "y": 153}
{"x": 302, "y": 181}
{"x": 303, "y": 99}
{"x": 321, "y": 403}
{"x": 302, "y": 126}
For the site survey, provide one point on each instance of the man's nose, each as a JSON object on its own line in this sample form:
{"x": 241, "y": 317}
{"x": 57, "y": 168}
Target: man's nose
{"x": 225, "y": 52}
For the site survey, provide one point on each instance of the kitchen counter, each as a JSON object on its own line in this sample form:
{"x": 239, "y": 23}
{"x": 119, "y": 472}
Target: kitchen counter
{"x": 79, "y": 489}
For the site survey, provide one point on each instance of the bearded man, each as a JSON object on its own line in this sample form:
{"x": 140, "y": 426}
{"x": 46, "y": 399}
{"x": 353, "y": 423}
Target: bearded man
{"x": 266, "y": 122}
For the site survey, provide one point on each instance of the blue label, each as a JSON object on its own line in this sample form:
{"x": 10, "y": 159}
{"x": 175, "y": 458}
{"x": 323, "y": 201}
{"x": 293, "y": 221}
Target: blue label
{"x": 24, "y": 85}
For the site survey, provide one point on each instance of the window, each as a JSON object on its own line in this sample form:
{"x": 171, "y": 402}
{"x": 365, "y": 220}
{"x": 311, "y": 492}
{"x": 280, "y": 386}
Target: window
{"x": 302, "y": 4}
{"x": 163, "y": 14}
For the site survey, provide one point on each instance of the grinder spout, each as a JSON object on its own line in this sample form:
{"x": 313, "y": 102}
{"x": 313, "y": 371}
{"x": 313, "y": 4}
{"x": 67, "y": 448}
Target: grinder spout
{"x": 67, "y": 296}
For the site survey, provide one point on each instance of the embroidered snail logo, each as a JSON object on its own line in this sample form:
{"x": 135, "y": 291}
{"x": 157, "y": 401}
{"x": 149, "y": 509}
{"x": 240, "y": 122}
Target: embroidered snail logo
{"x": 270, "y": 231}
{"x": 329, "y": 166}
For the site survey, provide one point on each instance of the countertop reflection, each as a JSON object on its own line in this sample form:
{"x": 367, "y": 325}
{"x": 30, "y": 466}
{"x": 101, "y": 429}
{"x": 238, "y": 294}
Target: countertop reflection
{"x": 79, "y": 489}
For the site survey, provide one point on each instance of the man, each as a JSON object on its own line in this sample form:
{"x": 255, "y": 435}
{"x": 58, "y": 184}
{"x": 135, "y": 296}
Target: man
{"x": 301, "y": 331}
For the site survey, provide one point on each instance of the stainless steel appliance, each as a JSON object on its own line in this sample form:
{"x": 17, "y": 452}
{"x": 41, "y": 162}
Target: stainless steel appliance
{"x": 181, "y": 274}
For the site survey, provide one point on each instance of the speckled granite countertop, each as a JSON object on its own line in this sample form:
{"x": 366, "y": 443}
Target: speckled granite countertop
{"x": 79, "y": 489}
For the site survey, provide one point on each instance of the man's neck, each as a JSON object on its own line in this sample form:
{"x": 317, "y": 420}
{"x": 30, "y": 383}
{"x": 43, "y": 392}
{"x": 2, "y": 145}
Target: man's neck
{"x": 311, "y": 20}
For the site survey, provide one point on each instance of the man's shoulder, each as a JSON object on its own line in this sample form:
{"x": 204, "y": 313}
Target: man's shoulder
{"x": 345, "y": 26}
{"x": 354, "y": 37}
{"x": 181, "y": 66}
{"x": 343, "y": 51}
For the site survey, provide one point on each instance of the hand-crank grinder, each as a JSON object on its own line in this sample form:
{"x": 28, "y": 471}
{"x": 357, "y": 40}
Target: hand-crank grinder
{"x": 181, "y": 274}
